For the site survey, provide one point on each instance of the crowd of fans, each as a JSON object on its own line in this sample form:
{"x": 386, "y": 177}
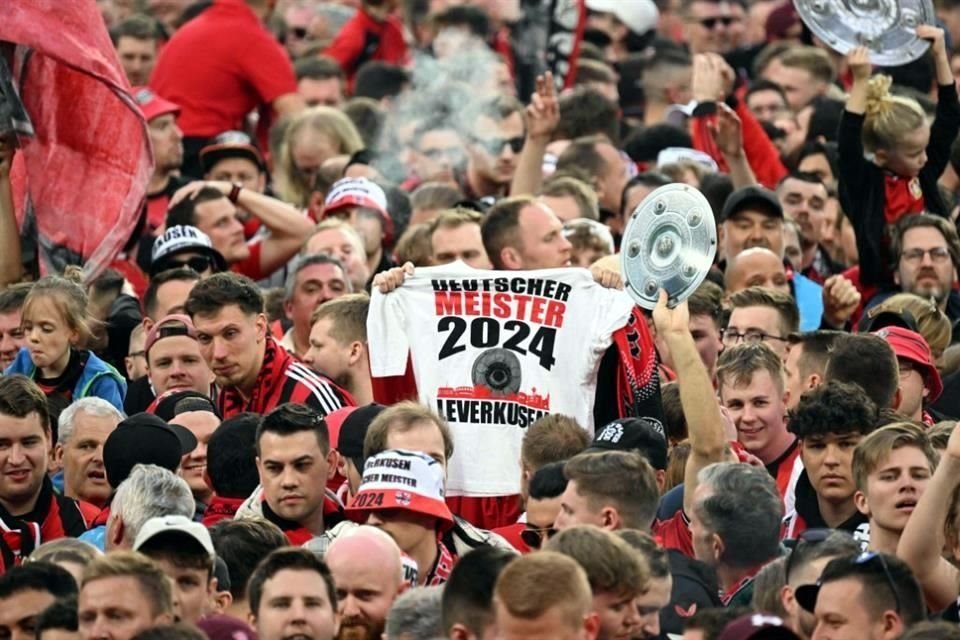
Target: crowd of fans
{"x": 242, "y": 429}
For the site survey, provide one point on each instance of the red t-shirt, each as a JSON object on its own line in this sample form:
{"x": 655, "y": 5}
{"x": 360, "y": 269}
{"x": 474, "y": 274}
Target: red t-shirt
{"x": 903, "y": 197}
{"x": 675, "y": 534}
{"x": 219, "y": 67}
{"x": 362, "y": 39}
{"x": 250, "y": 266}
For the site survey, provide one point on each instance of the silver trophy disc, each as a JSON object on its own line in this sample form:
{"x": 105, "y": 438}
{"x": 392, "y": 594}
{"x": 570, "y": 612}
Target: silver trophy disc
{"x": 887, "y": 27}
{"x": 669, "y": 243}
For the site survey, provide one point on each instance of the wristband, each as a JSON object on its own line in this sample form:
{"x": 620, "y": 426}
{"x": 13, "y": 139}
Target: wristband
{"x": 235, "y": 193}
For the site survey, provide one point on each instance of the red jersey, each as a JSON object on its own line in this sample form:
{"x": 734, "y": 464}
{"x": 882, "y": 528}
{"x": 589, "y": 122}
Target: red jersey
{"x": 674, "y": 533}
{"x": 362, "y": 39}
{"x": 219, "y": 67}
{"x": 904, "y": 196}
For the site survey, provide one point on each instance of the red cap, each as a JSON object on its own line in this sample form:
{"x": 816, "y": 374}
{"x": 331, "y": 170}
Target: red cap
{"x": 152, "y": 105}
{"x": 910, "y": 345}
{"x": 175, "y": 324}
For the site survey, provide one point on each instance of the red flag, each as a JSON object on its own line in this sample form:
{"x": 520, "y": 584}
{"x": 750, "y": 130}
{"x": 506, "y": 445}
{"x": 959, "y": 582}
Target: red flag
{"x": 82, "y": 179}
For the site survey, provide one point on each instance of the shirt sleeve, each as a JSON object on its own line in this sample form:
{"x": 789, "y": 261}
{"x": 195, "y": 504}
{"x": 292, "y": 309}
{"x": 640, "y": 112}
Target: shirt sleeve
{"x": 387, "y": 334}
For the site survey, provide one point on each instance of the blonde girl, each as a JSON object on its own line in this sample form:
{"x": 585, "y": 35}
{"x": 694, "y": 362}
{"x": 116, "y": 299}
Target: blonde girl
{"x": 56, "y": 327}
{"x": 890, "y": 157}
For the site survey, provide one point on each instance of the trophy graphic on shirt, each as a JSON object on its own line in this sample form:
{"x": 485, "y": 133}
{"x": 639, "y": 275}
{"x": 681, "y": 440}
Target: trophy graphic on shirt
{"x": 669, "y": 243}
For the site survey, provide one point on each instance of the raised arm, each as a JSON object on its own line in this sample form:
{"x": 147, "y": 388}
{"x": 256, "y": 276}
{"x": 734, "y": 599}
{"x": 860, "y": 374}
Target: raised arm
{"x": 543, "y": 115}
{"x": 727, "y": 132}
{"x": 11, "y": 267}
{"x": 705, "y": 429}
{"x": 924, "y": 536}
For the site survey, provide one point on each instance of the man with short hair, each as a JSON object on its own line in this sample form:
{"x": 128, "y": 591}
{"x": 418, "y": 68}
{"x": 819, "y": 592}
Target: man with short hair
{"x": 338, "y": 345}
{"x": 543, "y": 494}
{"x": 666, "y": 80}
{"x": 920, "y": 380}
{"x": 601, "y": 160}
{"x": 804, "y": 197}
{"x": 456, "y": 234}
{"x": 292, "y": 594}
{"x": 337, "y": 238}
{"x": 242, "y": 544}
{"x": 610, "y": 489}
{"x": 313, "y": 280}
{"x": 829, "y": 422}
{"x": 756, "y": 267}
{"x": 368, "y": 573}
{"x": 319, "y": 81}
{"x": 804, "y": 73}
{"x": 122, "y": 594}
{"x": 231, "y": 469}
{"x": 174, "y": 359}
{"x": 194, "y": 412}
{"x": 213, "y": 208}
{"x": 552, "y": 438}
{"x": 295, "y": 462}
{"x": 136, "y": 41}
{"x": 655, "y": 599}
{"x": 26, "y": 591}
{"x": 710, "y": 26}
{"x": 891, "y": 470}
{"x": 467, "y": 606}
{"x": 184, "y": 552}
{"x": 83, "y": 429}
{"x": 806, "y": 363}
{"x": 167, "y": 293}
{"x": 766, "y": 101}
{"x": 437, "y": 153}
{"x": 762, "y": 315}
{"x": 233, "y": 156}
{"x": 705, "y": 305}
{"x": 872, "y": 596}
{"x": 12, "y": 337}
{"x": 616, "y": 574}
{"x": 867, "y": 361}
{"x": 149, "y": 492}
{"x": 803, "y": 565}
{"x": 166, "y": 140}
{"x": 544, "y": 595}
{"x": 28, "y": 502}
{"x": 254, "y": 373}
{"x": 521, "y": 234}
{"x": 494, "y": 142}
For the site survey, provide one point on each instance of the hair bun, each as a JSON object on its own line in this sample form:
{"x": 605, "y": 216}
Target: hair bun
{"x": 878, "y": 94}
{"x": 74, "y": 274}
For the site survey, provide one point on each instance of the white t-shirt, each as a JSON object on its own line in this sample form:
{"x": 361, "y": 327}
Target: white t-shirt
{"x": 492, "y": 352}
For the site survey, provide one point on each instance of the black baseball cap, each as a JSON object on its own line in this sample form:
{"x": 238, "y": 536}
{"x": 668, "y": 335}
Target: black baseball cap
{"x": 751, "y": 197}
{"x": 354, "y": 430}
{"x": 143, "y": 438}
{"x": 173, "y": 403}
{"x": 231, "y": 144}
{"x": 645, "y": 435}
{"x": 871, "y": 322}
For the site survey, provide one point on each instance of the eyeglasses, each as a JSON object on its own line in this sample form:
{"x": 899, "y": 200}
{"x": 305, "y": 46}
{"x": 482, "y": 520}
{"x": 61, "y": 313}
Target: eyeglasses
{"x": 494, "y": 146}
{"x": 937, "y": 255}
{"x": 710, "y": 23}
{"x": 197, "y": 263}
{"x": 870, "y": 556}
{"x": 750, "y": 336}
{"x": 534, "y": 537}
{"x": 809, "y": 537}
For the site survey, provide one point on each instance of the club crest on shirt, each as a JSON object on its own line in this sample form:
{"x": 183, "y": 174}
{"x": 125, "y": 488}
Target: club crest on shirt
{"x": 915, "y": 190}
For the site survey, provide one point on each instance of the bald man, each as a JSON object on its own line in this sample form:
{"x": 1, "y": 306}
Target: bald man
{"x": 368, "y": 572}
{"x": 756, "y": 267}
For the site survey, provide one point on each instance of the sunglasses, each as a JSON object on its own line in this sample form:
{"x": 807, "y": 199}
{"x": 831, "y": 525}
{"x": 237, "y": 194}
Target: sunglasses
{"x": 710, "y": 23}
{"x": 809, "y": 537}
{"x": 494, "y": 146}
{"x": 868, "y": 557}
{"x": 197, "y": 263}
{"x": 533, "y": 537}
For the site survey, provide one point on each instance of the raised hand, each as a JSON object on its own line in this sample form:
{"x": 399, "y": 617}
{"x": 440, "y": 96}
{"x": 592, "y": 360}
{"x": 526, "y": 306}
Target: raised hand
{"x": 858, "y": 61}
{"x": 543, "y": 112}
{"x": 667, "y": 320}
{"x": 727, "y": 131}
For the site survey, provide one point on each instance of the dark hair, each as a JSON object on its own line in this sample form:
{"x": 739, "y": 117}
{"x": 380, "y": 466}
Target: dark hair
{"x": 868, "y": 361}
{"x": 221, "y": 290}
{"x": 20, "y": 396}
{"x": 944, "y": 226}
{"x": 645, "y": 144}
{"x": 674, "y": 420}
{"x": 38, "y": 576}
{"x": 713, "y": 621}
{"x": 13, "y": 297}
{"x": 184, "y": 212}
{"x": 317, "y": 68}
{"x": 587, "y": 112}
{"x": 468, "y": 594}
{"x": 241, "y": 544}
{"x": 473, "y": 18}
{"x": 828, "y": 150}
{"x": 183, "y": 274}
{"x": 656, "y": 556}
{"x": 649, "y": 179}
{"x": 178, "y": 551}
{"x": 816, "y": 347}
{"x": 231, "y": 453}
{"x": 62, "y": 614}
{"x": 765, "y": 85}
{"x": 547, "y": 482}
{"x": 290, "y": 418}
{"x": 499, "y": 227}
{"x": 887, "y": 583}
{"x": 296, "y": 559}
{"x": 825, "y": 118}
{"x": 176, "y": 631}
{"x": 379, "y": 80}
{"x": 836, "y": 545}
{"x": 138, "y": 26}
{"x": 803, "y": 176}
{"x": 582, "y": 155}
{"x": 834, "y": 407}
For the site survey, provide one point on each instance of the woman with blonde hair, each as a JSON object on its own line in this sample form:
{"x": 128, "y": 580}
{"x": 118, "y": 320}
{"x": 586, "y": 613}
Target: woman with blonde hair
{"x": 312, "y": 138}
{"x": 930, "y": 321}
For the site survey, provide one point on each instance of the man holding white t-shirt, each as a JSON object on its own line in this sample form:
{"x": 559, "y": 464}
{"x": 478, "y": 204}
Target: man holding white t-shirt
{"x": 496, "y": 342}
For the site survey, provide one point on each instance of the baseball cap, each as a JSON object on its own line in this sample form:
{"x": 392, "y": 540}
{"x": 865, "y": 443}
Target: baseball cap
{"x": 758, "y": 626}
{"x": 354, "y": 428}
{"x": 400, "y": 479}
{"x": 176, "y": 401}
{"x": 871, "y": 321}
{"x": 143, "y": 438}
{"x": 231, "y": 144}
{"x": 751, "y": 197}
{"x": 152, "y": 105}
{"x": 174, "y": 525}
{"x": 179, "y": 239}
{"x": 910, "y": 345}
{"x": 358, "y": 192}
{"x": 634, "y": 434}
{"x": 175, "y": 324}
{"x": 640, "y": 16}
